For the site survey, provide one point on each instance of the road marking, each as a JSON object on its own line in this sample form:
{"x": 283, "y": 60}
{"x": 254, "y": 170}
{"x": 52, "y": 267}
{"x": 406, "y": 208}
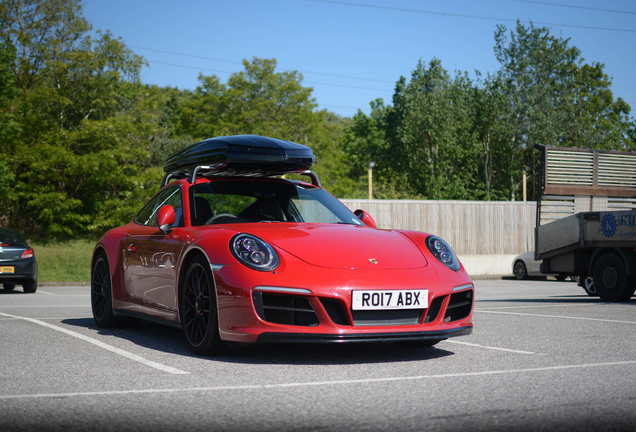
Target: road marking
{"x": 319, "y": 383}
{"x": 533, "y": 307}
{"x": 100, "y": 344}
{"x": 489, "y": 347}
{"x": 44, "y": 292}
{"x": 555, "y": 316}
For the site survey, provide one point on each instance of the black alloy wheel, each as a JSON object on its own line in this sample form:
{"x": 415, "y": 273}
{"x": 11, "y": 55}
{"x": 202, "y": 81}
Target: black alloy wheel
{"x": 611, "y": 281}
{"x": 198, "y": 309}
{"x": 520, "y": 270}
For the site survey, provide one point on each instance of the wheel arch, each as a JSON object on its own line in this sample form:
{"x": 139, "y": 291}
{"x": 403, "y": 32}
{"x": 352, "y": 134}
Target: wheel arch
{"x": 628, "y": 257}
{"x": 185, "y": 262}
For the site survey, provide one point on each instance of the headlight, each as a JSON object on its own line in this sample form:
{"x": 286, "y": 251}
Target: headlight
{"x": 254, "y": 252}
{"x": 443, "y": 252}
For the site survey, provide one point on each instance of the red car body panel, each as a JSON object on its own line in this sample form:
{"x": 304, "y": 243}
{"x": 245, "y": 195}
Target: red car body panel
{"x": 321, "y": 262}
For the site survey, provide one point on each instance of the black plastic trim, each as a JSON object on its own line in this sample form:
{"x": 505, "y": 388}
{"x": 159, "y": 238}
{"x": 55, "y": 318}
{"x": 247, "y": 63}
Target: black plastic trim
{"x": 365, "y": 337}
{"x": 124, "y": 312}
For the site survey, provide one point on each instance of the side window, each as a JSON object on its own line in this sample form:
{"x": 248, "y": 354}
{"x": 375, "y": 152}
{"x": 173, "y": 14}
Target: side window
{"x": 171, "y": 196}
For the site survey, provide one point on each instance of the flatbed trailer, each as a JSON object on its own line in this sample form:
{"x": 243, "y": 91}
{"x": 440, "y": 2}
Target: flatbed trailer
{"x": 586, "y": 219}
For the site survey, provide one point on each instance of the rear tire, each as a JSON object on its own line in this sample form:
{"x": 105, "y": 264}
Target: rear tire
{"x": 611, "y": 280}
{"x": 102, "y": 299}
{"x": 8, "y": 286}
{"x": 30, "y": 286}
{"x": 198, "y": 310}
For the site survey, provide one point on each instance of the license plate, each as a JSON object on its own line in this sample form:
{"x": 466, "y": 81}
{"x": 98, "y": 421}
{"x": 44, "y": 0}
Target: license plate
{"x": 394, "y": 299}
{"x": 6, "y": 269}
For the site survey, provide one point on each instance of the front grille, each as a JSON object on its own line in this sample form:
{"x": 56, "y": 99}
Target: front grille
{"x": 386, "y": 317}
{"x": 284, "y": 309}
{"x": 459, "y": 306}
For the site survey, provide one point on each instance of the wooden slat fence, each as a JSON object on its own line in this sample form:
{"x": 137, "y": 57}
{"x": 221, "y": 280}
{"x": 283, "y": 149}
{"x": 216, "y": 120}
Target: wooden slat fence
{"x": 471, "y": 227}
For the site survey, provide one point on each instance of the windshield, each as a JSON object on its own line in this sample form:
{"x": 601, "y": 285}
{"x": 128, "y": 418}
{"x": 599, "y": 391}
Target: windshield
{"x": 241, "y": 201}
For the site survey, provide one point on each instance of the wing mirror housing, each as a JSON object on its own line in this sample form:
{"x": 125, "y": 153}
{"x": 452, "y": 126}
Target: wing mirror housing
{"x": 365, "y": 218}
{"x": 166, "y": 218}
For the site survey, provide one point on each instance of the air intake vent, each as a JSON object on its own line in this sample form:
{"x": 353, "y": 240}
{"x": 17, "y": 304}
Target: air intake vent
{"x": 284, "y": 309}
{"x": 459, "y": 306}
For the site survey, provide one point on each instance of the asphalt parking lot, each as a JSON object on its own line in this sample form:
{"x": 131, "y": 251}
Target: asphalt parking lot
{"x": 543, "y": 356}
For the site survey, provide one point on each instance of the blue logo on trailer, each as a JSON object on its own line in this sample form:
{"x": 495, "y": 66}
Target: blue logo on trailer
{"x": 608, "y": 225}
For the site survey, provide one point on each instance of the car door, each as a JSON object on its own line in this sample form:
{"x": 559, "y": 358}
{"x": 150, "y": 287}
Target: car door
{"x": 151, "y": 255}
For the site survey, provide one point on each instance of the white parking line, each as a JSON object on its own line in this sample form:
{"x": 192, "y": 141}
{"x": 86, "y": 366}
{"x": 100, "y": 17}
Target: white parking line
{"x": 554, "y": 316}
{"x": 320, "y": 383}
{"x": 489, "y": 347}
{"x": 100, "y": 344}
{"x": 535, "y": 307}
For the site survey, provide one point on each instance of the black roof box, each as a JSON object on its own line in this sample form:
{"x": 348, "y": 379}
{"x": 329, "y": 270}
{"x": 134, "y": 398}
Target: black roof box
{"x": 242, "y": 155}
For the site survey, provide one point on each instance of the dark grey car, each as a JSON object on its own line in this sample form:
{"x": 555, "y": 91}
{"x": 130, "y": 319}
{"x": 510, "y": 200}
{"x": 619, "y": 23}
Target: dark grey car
{"x": 18, "y": 265}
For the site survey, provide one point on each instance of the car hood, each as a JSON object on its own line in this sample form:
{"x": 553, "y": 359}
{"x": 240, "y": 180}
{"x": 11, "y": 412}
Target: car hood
{"x": 343, "y": 246}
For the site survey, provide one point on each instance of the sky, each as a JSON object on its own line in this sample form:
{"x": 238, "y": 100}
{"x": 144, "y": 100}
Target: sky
{"x": 352, "y": 52}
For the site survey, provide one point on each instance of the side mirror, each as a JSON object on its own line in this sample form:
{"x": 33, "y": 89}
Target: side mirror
{"x": 166, "y": 218}
{"x": 365, "y": 218}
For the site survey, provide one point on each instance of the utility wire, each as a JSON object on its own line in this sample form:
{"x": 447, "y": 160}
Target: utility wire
{"x": 574, "y": 6}
{"x": 466, "y": 16}
{"x": 240, "y": 63}
{"x": 305, "y": 82}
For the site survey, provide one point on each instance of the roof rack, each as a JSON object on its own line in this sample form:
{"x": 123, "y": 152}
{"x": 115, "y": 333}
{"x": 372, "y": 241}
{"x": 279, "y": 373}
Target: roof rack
{"x": 240, "y": 155}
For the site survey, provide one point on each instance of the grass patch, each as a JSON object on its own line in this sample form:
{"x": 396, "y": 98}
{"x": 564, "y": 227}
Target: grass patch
{"x": 64, "y": 262}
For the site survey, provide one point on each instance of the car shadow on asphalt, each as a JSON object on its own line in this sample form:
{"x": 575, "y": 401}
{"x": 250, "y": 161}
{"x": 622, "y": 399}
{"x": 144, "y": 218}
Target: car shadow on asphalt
{"x": 171, "y": 340}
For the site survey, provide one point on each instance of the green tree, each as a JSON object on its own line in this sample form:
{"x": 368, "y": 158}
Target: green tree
{"x": 424, "y": 145}
{"x": 81, "y": 159}
{"x": 555, "y": 98}
{"x": 41, "y": 30}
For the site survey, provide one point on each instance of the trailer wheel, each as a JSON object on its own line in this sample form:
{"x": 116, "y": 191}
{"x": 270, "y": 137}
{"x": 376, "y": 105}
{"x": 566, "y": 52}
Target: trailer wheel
{"x": 611, "y": 281}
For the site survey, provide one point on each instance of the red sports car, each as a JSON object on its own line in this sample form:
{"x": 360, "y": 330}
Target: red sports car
{"x": 229, "y": 251}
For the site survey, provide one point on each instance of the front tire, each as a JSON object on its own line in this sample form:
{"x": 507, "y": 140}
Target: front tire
{"x": 611, "y": 281}
{"x": 520, "y": 270}
{"x": 198, "y": 310}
